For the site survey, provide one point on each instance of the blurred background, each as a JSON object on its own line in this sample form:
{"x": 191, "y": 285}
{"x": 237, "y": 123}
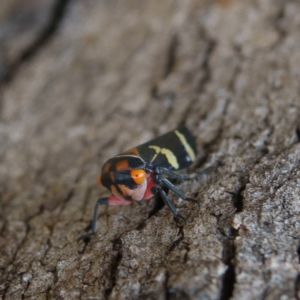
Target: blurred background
{"x": 81, "y": 81}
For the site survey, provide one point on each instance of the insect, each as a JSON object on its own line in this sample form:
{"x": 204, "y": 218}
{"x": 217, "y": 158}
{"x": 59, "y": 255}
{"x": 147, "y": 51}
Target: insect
{"x": 139, "y": 173}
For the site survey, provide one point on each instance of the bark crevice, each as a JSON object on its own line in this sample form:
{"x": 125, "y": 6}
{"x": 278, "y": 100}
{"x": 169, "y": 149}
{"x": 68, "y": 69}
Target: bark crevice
{"x": 41, "y": 40}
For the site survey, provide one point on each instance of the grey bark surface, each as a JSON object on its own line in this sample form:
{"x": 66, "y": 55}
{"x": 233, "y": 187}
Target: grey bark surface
{"x": 111, "y": 75}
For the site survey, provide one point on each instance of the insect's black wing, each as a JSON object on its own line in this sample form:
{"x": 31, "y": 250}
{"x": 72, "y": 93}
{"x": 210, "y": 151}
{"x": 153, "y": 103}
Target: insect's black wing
{"x": 174, "y": 150}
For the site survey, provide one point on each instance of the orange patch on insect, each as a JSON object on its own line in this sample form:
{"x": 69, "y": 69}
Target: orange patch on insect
{"x": 122, "y": 165}
{"x": 106, "y": 167}
{"x": 112, "y": 176}
{"x": 99, "y": 180}
{"x": 132, "y": 151}
{"x": 138, "y": 176}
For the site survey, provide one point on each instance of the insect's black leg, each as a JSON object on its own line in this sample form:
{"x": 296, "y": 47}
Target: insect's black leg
{"x": 205, "y": 171}
{"x": 100, "y": 201}
{"x": 166, "y": 199}
{"x": 173, "y": 188}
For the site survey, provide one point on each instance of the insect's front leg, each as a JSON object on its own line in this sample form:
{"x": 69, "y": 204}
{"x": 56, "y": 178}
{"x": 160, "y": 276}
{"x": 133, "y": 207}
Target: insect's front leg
{"x": 113, "y": 200}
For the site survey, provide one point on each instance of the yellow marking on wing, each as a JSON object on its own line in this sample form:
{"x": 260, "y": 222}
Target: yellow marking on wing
{"x": 157, "y": 150}
{"x": 169, "y": 155}
{"x": 186, "y": 145}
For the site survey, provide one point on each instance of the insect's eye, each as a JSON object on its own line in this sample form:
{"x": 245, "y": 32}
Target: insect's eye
{"x": 99, "y": 180}
{"x": 138, "y": 176}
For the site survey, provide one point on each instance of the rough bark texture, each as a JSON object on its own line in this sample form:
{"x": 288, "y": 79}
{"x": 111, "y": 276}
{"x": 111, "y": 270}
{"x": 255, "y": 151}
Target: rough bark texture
{"x": 84, "y": 80}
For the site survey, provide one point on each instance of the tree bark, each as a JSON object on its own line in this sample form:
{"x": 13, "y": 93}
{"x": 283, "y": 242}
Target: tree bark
{"x": 106, "y": 76}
